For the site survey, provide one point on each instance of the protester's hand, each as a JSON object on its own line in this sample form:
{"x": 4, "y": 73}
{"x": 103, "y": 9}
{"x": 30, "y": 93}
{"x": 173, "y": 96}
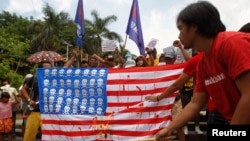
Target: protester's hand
{"x": 75, "y": 52}
{"x": 94, "y": 56}
{"x": 33, "y": 103}
{"x": 148, "y": 50}
{"x": 162, "y": 135}
{"x": 177, "y": 43}
{"x": 152, "y": 98}
{"x": 117, "y": 50}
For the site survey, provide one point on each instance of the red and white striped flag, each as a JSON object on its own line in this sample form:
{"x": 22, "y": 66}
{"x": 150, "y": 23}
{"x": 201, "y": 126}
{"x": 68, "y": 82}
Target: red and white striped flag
{"x": 128, "y": 116}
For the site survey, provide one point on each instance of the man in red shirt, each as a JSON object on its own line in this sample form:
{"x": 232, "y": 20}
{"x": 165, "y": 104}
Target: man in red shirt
{"x": 224, "y": 70}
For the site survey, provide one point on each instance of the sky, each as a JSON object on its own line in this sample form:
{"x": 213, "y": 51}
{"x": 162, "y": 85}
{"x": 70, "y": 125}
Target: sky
{"x": 158, "y": 17}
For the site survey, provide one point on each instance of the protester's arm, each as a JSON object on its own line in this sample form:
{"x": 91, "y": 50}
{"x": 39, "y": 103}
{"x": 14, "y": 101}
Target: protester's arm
{"x": 121, "y": 60}
{"x": 72, "y": 59}
{"x": 98, "y": 58}
{"x": 183, "y": 78}
{"x": 25, "y": 94}
{"x": 190, "y": 111}
{"x": 185, "y": 54}
{"x": 16, "y": 99}
{"x": 240, "y": 116}
{"x": 151, "y": 57}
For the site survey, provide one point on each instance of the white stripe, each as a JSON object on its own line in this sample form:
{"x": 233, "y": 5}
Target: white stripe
{"x": 126, "y": 99}
{"x": 143, "y": 75}
{"x": 133, "y": 87}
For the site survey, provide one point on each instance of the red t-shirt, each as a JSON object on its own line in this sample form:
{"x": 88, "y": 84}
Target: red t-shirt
{"x": 190, "y": 69}
{"x": 229, "y": 57}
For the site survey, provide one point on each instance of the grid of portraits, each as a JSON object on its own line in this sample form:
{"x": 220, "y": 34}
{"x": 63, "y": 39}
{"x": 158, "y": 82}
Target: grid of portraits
{"x": 76, "y": 91}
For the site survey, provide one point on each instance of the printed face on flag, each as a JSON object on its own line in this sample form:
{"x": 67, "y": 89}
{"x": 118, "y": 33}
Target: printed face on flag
{"x": 127, "y": 116}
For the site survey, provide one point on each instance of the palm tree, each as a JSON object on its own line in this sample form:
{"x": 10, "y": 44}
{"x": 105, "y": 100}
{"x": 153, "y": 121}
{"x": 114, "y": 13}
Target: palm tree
{"x": 96, "y": 31}
{"x": 48, "y": 32}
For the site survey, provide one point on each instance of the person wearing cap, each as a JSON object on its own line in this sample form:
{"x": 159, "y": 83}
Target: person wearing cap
{"x": 170, "y": 55}
{"x": 108, "y": 59}
{"x": 129, "y": 61}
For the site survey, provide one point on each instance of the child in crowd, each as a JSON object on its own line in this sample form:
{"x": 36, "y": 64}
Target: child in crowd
{"x": 6, "y": 121}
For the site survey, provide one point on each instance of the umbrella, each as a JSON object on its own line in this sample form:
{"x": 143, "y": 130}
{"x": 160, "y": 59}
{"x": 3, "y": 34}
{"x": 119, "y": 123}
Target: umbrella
{"x": 45, "y": 56}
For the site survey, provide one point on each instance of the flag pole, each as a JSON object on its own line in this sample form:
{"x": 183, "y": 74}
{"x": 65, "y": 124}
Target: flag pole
{"x": 125, "y": 41}
{"x": 79, "y": 20}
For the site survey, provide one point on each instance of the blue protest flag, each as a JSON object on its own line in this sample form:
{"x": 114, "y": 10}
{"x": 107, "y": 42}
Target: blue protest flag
{"x": 79, "y": 20}
{"x": 134, "y": 27}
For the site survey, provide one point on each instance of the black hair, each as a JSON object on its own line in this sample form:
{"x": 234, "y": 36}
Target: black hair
{"x": 5, "y": 95}
{"x": 40, "y": 65}
{"x": 84, "y": 61}
{"x": 5, "y": 79}
{"x": 203, "y": 15}
{"x": 245, "y": 28}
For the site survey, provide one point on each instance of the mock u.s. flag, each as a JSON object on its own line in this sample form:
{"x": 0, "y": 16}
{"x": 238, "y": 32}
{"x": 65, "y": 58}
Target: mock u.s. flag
{"x": 85, "y": 104}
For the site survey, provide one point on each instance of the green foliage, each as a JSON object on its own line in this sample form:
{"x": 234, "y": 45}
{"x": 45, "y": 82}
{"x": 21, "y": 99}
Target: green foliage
{"x": 5, "y": 72}
{"x": 21, "y": 37}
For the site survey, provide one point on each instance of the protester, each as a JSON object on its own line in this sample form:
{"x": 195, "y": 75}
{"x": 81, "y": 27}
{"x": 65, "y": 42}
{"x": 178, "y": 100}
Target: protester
{"x": 84, "y": 63}
{"x": 6, "y": 87}
{"x": 24, "y": 104}
{"x": 129, "y": 61}
{"x": 245, "y": 28}
{"x": 6, "y": 122}
{"x": 152, "y": 59}
{"x": 74, "y": 56}
{"x": 109, "y": 61}
{"x": 34, "y": 121}
{"x": 93, "y": 63}
{"x": 170, "y": 58}
{"x": 141, "y": 61}
{"x": 223, "y": 72}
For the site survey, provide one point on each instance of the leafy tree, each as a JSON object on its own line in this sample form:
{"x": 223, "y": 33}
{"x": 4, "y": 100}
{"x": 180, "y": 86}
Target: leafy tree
{"x": 96, "y": 31}
{"x": 48, "y": 33}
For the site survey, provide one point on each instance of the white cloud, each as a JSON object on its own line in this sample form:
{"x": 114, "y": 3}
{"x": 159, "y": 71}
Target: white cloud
{"x": 23, "y": 7}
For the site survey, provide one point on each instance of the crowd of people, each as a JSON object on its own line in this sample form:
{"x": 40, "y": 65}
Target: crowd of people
{"x": 215, "y": 59}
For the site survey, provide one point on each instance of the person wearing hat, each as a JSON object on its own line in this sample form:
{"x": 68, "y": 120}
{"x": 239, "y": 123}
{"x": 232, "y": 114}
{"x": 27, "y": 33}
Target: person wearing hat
{"x": 129, "y": 61}
{"x": 170, "y": 54}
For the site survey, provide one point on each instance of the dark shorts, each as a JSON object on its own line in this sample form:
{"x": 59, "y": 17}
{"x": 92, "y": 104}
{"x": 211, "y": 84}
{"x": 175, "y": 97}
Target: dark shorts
{"x": 214, "y": 117}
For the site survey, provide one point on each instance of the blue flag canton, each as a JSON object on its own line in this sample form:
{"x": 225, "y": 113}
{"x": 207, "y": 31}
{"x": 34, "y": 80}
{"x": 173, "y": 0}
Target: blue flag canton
{"x": 72, "y": 91}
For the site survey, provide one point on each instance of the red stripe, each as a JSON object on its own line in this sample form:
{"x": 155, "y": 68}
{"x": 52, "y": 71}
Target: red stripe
{"x": 155, "y": 119}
